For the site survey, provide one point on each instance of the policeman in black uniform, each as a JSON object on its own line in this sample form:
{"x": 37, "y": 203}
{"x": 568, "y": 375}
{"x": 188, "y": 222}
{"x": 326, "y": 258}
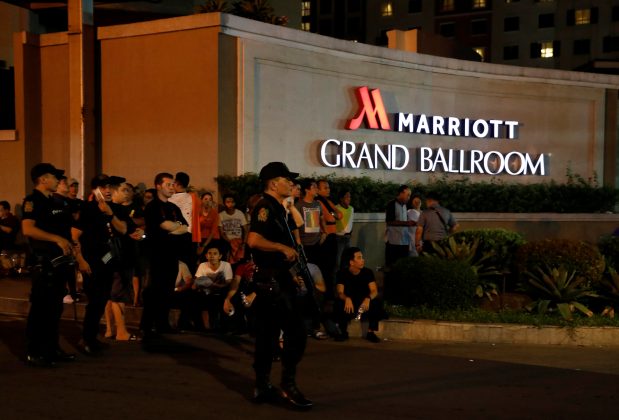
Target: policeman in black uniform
{"x": 47, "y": 225}
{"x": 276, "y": 306}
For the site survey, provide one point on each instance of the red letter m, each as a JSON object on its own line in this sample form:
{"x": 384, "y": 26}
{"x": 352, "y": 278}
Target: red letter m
{"x": 370, "y": 110}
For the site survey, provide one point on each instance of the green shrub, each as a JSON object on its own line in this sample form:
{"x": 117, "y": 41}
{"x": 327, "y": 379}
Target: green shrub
{"x": 436, "y": 283}
{"x": 467, "y": 251}
{"x": 243, "y": 187}
{"x": 502, "y": 244}
{"x": 458, "y": 195}
{"x": 579, "y": 257}
{"x": 609, "y": 247}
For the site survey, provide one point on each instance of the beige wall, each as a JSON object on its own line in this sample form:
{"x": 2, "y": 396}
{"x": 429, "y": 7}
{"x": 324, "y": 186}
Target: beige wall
{"x": 159, "y": 102}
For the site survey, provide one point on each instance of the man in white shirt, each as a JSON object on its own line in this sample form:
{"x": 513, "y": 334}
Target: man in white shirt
{"x": 186, "y": 201}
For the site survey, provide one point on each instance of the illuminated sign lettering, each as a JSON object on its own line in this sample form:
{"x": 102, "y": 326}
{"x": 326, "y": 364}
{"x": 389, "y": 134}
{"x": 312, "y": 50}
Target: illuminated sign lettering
{"x": 347, "y": 154}
{"x": 370, "y": 109}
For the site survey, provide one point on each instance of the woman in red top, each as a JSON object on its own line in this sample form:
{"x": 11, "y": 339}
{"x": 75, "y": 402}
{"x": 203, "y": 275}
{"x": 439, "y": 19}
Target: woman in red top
{"x": 209, "y": 221}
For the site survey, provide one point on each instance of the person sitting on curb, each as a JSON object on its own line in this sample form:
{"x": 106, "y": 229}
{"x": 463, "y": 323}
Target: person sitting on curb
{"x": 356, "y": 295}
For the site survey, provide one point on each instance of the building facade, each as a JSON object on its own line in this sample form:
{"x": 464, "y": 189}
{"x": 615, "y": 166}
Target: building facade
{"x": 568, "y": 35}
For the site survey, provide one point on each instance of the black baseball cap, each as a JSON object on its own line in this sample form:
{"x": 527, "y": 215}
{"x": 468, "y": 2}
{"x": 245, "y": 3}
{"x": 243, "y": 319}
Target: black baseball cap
{"x": 41, "y": 169}
{"x": 102, "y": 180}
{"x": 276, "y": 169}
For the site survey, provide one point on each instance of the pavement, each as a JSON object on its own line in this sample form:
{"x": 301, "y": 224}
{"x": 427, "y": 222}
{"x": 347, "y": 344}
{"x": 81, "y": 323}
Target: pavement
{"x": 210, "y": 376}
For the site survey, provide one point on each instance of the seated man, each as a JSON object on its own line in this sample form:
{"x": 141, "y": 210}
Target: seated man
{"x": 187, "y": 300}
{"x": 213, "y": 278}
{"x": 356, "y": 295}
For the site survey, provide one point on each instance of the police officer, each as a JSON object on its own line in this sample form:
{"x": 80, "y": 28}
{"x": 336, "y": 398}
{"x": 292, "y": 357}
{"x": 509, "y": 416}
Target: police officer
{"x": 276, "y": 306}
{"x": 47, "y": 225}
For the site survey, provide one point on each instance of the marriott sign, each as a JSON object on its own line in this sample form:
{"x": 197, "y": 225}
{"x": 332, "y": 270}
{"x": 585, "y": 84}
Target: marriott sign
{"x": 347, "y": 154}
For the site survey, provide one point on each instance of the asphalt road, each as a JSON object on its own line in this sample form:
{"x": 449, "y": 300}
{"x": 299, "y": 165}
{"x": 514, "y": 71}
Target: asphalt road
{"x": 204, "y": 377}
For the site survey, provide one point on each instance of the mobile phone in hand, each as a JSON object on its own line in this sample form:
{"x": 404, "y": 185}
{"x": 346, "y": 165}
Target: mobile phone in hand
{"x": 99, "y": 194}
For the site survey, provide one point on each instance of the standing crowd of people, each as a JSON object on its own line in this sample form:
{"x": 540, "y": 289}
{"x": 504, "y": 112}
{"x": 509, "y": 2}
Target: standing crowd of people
{"x": 283, "y": 271}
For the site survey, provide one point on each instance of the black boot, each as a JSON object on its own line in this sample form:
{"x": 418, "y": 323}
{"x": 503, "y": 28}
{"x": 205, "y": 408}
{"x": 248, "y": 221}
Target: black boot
{"x": 292, "y": 394}
{"x": 264, "y": 392}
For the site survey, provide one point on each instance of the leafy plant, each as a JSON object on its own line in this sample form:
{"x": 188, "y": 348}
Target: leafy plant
{"x": 211, "y": 6}
{"x": 609, "y": 290}
{"x": 501, "y": 246}
{"x": 561, "y": 289}
{"x": 436, "y": 283}
{"x": 468, "y": 252}
{"x": 582, "y": 258}
{"x": 260, "y": 10}
{"x": 609, "y": 248}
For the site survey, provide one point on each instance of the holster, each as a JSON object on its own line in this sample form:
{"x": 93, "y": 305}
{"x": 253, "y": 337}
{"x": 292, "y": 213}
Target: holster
{"x": 265, "y": 282}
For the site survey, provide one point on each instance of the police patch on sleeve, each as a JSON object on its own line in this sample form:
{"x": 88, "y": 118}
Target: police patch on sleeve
{"x": 28, "y": 206}
{"x": 263, "y": 214}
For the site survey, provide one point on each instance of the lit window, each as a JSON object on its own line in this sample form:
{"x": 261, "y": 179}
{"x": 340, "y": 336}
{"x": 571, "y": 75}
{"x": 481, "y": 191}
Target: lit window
{"x": 479, "y": 4}
{"x": 481, "y": 51}
{"x": 305, "y": 26}
{"x": 387, "y": 9}
{"x": 546, "y": 50}
{"x": 306, "y": 8}
{"x": 447, "y": 5}
{"x": 582, "y": 16}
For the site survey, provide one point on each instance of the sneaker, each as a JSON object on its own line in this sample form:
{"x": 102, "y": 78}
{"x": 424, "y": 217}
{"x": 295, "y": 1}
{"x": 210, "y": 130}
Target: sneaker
{"x": 67, "y": 299}
{"x": 318, "y": 335}
{"x": 372, "y": 338}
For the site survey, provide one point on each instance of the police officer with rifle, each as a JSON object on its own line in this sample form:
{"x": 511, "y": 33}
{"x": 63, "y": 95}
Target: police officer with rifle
{"x": 277, "y": 305}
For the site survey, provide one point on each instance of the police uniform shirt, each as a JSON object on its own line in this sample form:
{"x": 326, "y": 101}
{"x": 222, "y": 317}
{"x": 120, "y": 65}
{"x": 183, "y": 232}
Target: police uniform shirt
{"x": 269, "y": 221}
{"x": 49, "y": 215}
{"x": 96, "y": 228}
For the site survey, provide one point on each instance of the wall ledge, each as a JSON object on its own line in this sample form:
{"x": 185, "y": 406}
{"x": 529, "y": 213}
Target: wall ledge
{"x": 8, "y": 135}
{"x": 504, "y": 217}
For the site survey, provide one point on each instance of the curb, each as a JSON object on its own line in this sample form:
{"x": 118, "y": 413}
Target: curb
{"x": 415, "y": 330}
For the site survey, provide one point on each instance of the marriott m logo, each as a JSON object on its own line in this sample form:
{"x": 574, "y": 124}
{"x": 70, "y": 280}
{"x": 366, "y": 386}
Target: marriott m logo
{"x": 371, "y": 108}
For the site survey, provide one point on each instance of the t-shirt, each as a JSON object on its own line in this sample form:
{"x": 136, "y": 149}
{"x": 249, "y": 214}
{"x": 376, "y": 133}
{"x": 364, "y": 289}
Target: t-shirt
{"x": 160, "y": 241}
{"x": 433, "y": 227}
{"x": 310, "y": 232}
{"x": 7, "y": 240}
{"x": 396, "y": 235}
{"x": 184, "y": 202}
{"x": 344, "y": 225}
{"x": 356, "y": 286}
{"x": 232, "y": 224}
{"x": 412, "y": 215}
{"x": 209, "y": 224}
{"x": 206, "y": 276}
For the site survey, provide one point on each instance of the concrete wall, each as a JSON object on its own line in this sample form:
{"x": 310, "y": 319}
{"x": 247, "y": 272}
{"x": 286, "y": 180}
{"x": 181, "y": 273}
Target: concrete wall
{"x": 41, "y": 104}
{"x": 299, "y": 90}
{"x": 159, "y": 100}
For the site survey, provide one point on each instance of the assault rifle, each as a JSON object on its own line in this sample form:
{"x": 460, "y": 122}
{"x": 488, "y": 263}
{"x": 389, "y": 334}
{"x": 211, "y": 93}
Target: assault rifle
{"x": 300, "y": 268}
